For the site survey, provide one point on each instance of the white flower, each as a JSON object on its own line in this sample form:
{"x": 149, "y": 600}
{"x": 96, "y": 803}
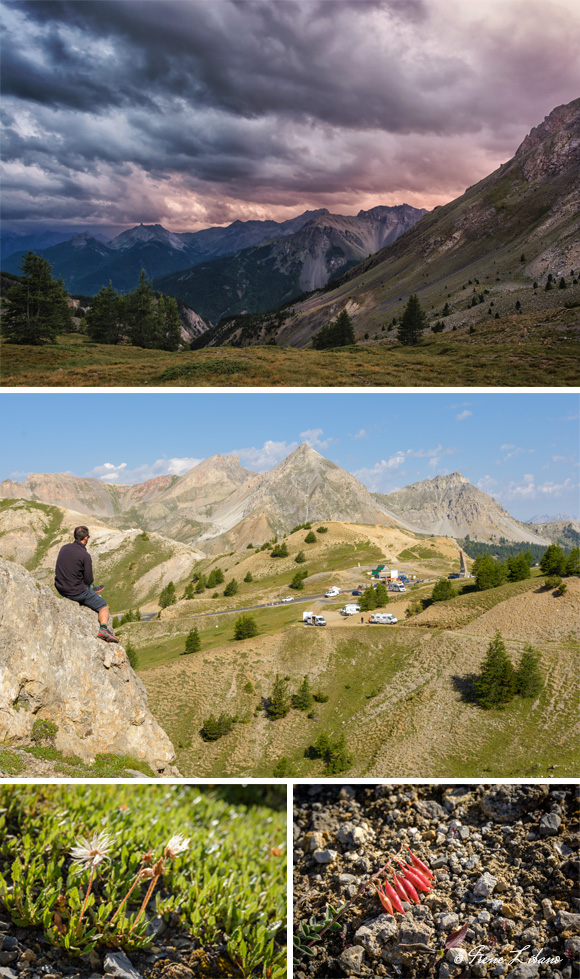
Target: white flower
{"x": 92, "y": 852}
{"x": 177, "y": 844}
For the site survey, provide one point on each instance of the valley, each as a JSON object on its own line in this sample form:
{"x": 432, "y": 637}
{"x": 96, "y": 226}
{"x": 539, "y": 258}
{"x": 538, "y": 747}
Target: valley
{"x": 399, "y": 694}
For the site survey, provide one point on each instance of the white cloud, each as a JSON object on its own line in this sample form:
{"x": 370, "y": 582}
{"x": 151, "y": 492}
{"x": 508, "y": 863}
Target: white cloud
{"x": 109, "y": 472}
{"x": 506, "y": 447}
{"x": 311, "y": 437}
{"x": 361, "y": 434}
{"x": 376, "y": 478}
{"x": 266, "y": 457}
{"x": 464, "y": 414}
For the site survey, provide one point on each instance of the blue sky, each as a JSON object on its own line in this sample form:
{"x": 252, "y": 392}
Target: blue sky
{"x": 521, "y": 448}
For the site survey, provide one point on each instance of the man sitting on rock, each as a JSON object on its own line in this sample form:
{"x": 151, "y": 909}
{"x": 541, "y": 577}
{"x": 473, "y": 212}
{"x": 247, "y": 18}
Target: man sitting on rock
{"x": 74, "y": 579}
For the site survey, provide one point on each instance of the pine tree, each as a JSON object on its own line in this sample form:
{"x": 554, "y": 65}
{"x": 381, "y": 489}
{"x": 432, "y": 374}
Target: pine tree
{"x": 518, "y": 568}
{"x": 303, "y": 699}
{"x": 339, "y": 333}
{"x": 36, "y": 309}
{"x": 249, "y": 577}
{"x": 188, "y": 593}
{"x": 488, "y": 573}
{"x": 528, "y": 676}
{"x": 310, "y": 538}
{"x": 413, "y": 322}
{"x": 554, "y": 560}
{"x": 573, "y": 561}
{"x": 168, "y": 596}
{"x": 495, "y": 685}
{"x": 231, "y": 588}
{"x": 192, "y": 642}
{"x": 142, "y": 318}
{"x": 104, "y": 318}
{"x": 381, "y": 595}
{"x": 170, "y": 327}
{"x": 300, "y": 557}
{"x": 442, "y": 591}
{"x": 368, "y": 600}
{"x": 279, "y": 703}
{"x": 245, "y": 627}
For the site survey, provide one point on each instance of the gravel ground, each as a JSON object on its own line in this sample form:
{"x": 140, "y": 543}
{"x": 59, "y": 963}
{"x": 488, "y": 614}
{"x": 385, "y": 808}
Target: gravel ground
{"x": 505, "y": 859}
{"x": 26, "y": 954}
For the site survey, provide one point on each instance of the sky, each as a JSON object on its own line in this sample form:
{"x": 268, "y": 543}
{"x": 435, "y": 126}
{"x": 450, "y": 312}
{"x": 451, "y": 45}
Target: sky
{"x": 191, "y": 113}
{"x": 521, "y": 448}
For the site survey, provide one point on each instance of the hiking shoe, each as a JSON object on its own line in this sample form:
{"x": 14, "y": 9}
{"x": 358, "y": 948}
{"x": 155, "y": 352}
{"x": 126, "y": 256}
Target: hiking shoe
{"x": 98, "y": 588}
{"x": 106, "y": 634}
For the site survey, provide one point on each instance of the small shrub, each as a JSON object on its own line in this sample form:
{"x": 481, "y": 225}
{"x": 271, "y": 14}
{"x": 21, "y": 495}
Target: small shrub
{"x": 300, "y": 557}
{"x": 322, "y": 530}
{"x": 215, "y": 727}
{"x": 320, "y": 697}
{"x": 283, "y": 769}
{"x": 44, "y": 731}
{"x": 132, "y": 655}
{"x": 333, "y": 751}
{"x": 310, "y": 538}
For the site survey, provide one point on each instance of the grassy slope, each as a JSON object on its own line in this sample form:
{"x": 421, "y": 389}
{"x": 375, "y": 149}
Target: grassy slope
{"x": 531, "y": 349}
{"x": 396, "y": 692}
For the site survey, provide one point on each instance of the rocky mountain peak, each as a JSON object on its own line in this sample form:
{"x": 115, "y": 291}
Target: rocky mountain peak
{"x": 554, "y": 145}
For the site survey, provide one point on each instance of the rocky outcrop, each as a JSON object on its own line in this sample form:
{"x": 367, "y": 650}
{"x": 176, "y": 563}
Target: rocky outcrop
{"x": 52, "y": 667}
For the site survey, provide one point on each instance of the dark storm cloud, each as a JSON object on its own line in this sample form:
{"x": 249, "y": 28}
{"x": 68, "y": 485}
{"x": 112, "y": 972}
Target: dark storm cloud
{"x": 181, "y": 108}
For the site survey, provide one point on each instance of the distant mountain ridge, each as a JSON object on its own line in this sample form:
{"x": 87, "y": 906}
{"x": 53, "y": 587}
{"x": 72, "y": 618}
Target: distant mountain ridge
{"x": 247, "y": 266}
{"x": 277, "y": 270}
{"x": 86, "y": 262}
{"x": 219, "y": 505}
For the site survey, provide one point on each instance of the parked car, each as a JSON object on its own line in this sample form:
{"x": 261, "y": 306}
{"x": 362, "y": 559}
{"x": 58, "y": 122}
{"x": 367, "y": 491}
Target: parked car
{"x": 288, "y": 598}
{"x": 357, "y": 591}
{"x": 450, "y": 576}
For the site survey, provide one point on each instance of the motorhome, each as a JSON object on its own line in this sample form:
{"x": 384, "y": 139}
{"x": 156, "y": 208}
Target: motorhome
{"x": 382, "y": 618}
{"x": 350, "y": 610}
{"x": 397, "y": 586}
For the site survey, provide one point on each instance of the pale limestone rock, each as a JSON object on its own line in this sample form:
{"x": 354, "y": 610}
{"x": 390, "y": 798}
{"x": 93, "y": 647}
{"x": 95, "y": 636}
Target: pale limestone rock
{"x": 53, "y": 667}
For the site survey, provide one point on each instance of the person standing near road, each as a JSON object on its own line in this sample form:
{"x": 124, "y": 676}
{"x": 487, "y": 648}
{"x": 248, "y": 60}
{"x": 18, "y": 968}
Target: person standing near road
{"x": 73, "y": 579}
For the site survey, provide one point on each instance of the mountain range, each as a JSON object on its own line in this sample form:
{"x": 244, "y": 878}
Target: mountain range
{"x": 247, "y": 266}
{"x": 480, "y": 254}
{"x": 219, "y": 505}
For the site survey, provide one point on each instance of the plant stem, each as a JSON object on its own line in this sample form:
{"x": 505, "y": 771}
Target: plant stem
{"x": 352, "y": 900}
{"x": 84, "y": 907}
{"x": 126, "y": 898}
{"x": 145, "y": 900}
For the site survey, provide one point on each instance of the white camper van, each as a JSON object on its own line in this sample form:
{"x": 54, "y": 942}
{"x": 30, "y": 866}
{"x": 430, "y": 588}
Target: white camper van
{"x": 382, "y": 618}
{"x": 350, "y": 610}
{"x": 397, "y": 586}
{"x": 332, "y": 592}
{"x": 310, "y": 618}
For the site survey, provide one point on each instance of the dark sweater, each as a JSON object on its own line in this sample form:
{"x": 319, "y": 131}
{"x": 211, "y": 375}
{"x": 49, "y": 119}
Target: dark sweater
{"x": 74, "y": 569}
